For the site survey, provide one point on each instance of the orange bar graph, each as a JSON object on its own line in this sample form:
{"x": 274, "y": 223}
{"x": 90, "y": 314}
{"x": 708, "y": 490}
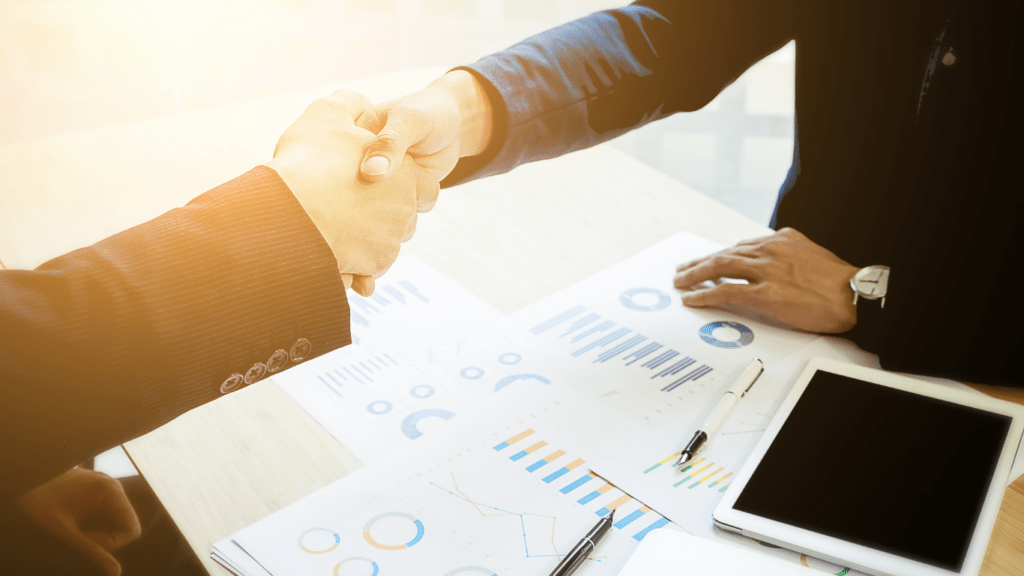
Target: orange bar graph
{"x": 554, "y": 456}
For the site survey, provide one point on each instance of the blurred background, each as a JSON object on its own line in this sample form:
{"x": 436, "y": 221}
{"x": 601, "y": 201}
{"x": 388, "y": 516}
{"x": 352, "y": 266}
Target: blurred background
{"x": 70, "y": 65}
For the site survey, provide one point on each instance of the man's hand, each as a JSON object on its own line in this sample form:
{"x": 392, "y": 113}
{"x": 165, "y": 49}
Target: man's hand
{"x": 65, "y": 505}
{"x": 789, "y": 277}
{"x": 445, "y": 121}
{"x": 364, "y": 223}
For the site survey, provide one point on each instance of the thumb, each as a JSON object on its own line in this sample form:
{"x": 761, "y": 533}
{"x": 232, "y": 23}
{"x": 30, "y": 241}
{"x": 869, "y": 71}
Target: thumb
{"x": 386, "y": 152}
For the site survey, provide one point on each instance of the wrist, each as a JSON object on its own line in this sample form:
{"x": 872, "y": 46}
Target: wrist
{"x": 475, "y": 110}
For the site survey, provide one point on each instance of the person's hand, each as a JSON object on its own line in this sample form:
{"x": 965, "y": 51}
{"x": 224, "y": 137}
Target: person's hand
{"x": 789, "y": 278}
{"x": 445, "y": 121}
{"x": 65, "y": 505}
{"x": 318, "y": 157}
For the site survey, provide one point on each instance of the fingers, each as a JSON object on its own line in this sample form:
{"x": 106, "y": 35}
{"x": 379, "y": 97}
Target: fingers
{"x": 720, "y": 295}
{"x": 354, "y": 102}
{"x": 363, "y": 285}
{"x": 120, "y": 508}
{"x": 397, "y": 130}
{"x": 714, "y": 267}
{"x": 93, "y": 550}
{"x": 427, "y": 191}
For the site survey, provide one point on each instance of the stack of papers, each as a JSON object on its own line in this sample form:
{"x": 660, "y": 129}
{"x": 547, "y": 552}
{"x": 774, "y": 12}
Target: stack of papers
{"x": 497, "y": 442}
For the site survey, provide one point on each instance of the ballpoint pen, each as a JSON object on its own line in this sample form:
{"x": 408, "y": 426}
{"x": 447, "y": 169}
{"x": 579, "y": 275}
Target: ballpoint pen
{"x": 722, "y": 410}
{"x": 579, "y": 552}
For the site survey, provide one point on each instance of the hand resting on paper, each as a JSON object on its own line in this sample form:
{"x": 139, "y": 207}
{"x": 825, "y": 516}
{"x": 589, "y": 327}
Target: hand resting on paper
{"x": 789, "y": 278}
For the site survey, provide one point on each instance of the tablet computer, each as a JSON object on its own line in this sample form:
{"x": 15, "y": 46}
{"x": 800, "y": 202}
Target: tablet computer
{"x": 878, "y": 472}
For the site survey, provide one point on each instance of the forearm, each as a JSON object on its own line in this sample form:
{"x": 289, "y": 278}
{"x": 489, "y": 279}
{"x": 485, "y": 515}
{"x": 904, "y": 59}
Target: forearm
{"x": 593, "y": 79}
{"x": 111, "y": 341}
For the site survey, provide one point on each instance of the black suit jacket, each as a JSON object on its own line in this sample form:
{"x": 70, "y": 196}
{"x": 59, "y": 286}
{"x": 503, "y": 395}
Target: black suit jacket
{"x": 111, "y": 341}
{"x": 904, "y": 156}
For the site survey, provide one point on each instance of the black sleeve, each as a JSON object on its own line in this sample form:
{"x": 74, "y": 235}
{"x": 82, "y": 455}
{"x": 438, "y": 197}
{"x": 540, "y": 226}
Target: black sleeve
{"x": 108, "y": 342}
{"x": 593, "y": 79}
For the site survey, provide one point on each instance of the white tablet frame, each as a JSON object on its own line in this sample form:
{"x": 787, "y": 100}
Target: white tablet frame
{"x": 857, "y": 556}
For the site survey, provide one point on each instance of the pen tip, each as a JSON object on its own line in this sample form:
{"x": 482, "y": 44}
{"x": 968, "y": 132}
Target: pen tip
{"x": 611, "y": 515}
{"x": 683, "y": 459}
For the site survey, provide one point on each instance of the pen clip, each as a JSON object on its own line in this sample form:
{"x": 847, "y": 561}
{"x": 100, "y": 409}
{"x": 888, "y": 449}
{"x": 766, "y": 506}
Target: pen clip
{"x": 759, "y": 372}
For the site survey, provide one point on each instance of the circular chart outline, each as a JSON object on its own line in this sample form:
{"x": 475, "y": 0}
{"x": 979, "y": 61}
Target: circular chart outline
{"x": 420, "y": 530}
{"x": 411, "y": 424}
{"x": 626, "y": 298}
{"x": 514, "y": 377}
{"x": 479, "y": 569}
{"x": 389, "y": 407}
{"x": 376, "y": 568}
{"x": 337, "y": 540}
{"x": 518, "y": 358}
{"x": 746, "y": 334}
{"x": 430, "y": 391}
{"x": 463, "y": 373}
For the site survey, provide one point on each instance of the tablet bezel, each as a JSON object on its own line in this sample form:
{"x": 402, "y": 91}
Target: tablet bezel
{"x": 858, "y": 556}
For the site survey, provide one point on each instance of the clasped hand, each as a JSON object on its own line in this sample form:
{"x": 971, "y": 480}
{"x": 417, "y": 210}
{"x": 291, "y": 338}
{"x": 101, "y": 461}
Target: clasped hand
{"x": 363, "y": 222}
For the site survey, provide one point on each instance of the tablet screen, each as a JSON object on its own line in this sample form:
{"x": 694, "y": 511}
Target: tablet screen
{"x": 881, "y": 467}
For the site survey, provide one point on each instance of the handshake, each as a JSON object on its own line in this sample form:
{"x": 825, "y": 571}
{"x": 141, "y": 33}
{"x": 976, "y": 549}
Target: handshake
{"x": 363, "y": 172}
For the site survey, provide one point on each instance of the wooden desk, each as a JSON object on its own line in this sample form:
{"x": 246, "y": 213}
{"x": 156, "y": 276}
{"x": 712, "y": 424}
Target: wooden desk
{"x": 510, "y": 240}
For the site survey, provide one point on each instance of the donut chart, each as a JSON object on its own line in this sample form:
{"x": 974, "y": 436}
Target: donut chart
{"x": 746, "y": 334}
{"x": 471, "y": 372}
{"x": 510, "y": 358}
{"x": 422, "y": 391}
{"x": 376, "y": 568}
{"x": 628, "y": 299}
{"x": 308, "y": 550}
{"x": 410, "y": 425}
{"x": 514, "y": 377}
{"x": 367, "y": 529}
{"x": 379, "y": 407}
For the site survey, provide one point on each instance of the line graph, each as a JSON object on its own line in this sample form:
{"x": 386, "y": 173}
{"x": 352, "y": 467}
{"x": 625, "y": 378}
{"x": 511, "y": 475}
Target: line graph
{"x": 486, "y": 510}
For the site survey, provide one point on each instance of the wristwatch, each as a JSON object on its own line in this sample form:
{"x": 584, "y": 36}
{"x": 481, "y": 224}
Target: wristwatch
{"x": 870, "y": 283}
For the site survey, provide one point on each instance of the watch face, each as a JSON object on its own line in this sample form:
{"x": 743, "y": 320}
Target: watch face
{"x": 872, "y": 282}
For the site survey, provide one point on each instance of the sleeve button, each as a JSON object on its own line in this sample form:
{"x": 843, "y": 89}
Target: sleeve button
{"x": 255, "y": 373}
{"x": 300, "y": 350}
{"x": 232, "y": 383}
{"x": 277, "y": 361}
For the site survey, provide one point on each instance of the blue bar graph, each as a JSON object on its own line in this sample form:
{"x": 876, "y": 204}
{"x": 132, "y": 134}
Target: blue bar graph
{"x": 695, "y": 375}
{"x": 518, "y": 455}
{"x": 380, "y": 299}
{"x": 660, "y": 359}
{"x": 602, "y": 341}
{"x": 411, "y": 288}
{"x": 675, "y": 368}
{"x": 395, "y": 293}
{"x": 358, "y": 319}
{"x": 533, "y": 467}
{"x": 555, "y": 475}
{"x": 580, "y": 323}
{"x": 364, "y": 305}
{"x": 609, "y": 354}
{"x": 640, "y": 535}
{"x": 547, "y": 325}
{"x": 599, "y": 328}
{"x": 626, "y": 521}
{"x": 642, "y": 352}
{"x": 576, "y": 483}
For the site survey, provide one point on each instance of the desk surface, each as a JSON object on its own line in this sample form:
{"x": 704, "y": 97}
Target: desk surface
{"x": 510, "y": 240}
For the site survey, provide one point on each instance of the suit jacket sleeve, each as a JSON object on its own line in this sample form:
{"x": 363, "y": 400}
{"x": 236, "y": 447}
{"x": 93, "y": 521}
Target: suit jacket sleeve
{"x": 593, "y": 79}
{"x": 108, "y": 342}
